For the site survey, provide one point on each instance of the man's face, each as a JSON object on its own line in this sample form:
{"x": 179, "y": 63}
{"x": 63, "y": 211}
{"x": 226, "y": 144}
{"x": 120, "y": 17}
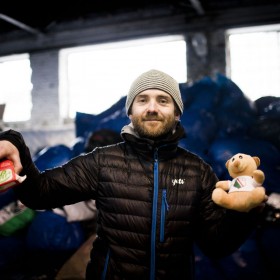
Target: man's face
{"x": 153, "y": 113}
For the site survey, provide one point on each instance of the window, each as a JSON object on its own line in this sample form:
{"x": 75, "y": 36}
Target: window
{"x": 94, "y": 78}
{"x": 16, "y": 86}
{"x": 254, "y": 60}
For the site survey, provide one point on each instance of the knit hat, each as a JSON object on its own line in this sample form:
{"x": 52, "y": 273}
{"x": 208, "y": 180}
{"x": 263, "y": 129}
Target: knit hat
{"x": 155, "y": 79}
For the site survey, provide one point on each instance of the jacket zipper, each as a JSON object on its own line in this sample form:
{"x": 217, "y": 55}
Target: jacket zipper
{"x": 104, "y": 272}
{"x": 164, "y": 209}
{"x": 154, "y": 218}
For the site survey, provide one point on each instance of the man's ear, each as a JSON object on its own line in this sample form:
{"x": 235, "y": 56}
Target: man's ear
{"x": 130, "y": 116}
{"x": 177, "y": 118}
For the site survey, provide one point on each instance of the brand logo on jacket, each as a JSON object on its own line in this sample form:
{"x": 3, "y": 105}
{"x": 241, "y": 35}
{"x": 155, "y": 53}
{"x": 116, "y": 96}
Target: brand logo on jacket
{"x": 178, "y": 181}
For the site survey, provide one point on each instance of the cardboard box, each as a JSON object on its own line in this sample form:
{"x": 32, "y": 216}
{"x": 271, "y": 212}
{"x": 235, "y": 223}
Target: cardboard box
{"x": 8, "y": 177}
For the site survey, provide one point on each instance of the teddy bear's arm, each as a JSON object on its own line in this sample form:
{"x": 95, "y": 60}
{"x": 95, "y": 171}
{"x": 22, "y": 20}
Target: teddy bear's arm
{"x": 258, "y": 176}
{"x": 223, "y": 185}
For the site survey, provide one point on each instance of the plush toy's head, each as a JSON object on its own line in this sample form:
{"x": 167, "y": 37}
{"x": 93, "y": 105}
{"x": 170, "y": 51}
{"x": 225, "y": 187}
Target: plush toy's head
{"x": 245, "y": 190}
{"x": 242, "y": 164}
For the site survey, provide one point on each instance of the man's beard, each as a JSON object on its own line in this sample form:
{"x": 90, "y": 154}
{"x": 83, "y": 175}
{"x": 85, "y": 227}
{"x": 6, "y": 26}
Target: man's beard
{"x": 160, "y": 128}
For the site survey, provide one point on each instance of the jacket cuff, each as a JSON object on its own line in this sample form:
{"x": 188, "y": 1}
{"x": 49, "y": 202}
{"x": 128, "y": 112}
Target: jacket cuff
{"x": 17, "y": 140}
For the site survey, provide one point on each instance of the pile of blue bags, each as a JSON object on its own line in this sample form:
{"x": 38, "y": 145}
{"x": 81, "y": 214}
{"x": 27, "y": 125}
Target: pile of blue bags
{"x": 220, "y": 121}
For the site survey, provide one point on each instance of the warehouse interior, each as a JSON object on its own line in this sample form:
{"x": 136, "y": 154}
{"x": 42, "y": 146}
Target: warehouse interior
{"x": 219, "y": 118}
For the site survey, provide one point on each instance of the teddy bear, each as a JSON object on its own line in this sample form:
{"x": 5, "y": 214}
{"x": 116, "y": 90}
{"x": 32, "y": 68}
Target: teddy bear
{"x": 245, "y": 191}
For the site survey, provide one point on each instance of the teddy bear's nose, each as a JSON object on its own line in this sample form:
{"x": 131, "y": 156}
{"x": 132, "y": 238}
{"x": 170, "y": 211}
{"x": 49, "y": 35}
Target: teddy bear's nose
{"x": 236, "y": 163}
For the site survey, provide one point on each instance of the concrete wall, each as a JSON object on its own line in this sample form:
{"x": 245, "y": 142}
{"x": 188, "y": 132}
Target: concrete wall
{"x": 44, "y": 48}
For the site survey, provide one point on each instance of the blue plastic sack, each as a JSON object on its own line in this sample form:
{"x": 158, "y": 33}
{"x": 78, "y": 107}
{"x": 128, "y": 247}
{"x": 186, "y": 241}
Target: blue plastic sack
{"x": 234, "y": 123}
{"x": 114, "y": 118}
{"x": 52, "y": 156}
{"x": 223, "y": 149}
{"x": 201, "y": 129}
{"x": 268, "y": 129}
{"x": 7, "y": 197}
{"x": 232, "y": 98}
{"x": 268, "y": 106}
{"x": 51, "y": 232}
{"x": 201, "y": 95}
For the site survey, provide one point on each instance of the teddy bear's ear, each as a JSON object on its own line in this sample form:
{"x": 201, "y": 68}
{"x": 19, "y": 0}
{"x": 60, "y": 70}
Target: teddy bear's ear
{"x": 257, "y": 160}
{"x": 227, "y": 163}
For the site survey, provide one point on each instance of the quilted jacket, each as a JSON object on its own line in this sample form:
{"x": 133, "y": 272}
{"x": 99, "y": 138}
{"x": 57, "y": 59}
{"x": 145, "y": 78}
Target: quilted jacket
{"x": 154, "y": 202}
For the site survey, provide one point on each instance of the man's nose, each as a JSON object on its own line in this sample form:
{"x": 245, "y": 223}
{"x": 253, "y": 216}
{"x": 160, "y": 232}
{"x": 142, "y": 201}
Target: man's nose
{"x": 152, "y": 106}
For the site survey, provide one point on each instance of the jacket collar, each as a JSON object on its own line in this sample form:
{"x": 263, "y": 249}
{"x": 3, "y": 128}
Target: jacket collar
{"x": 167, "y": 147}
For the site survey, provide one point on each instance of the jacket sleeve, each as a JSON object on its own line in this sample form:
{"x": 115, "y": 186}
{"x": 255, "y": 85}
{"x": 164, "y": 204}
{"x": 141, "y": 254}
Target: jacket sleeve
{"x": 219, "y": 231}
{"x": 67, "y": 184}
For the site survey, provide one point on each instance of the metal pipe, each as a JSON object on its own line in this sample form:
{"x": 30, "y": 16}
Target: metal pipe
{"x": 197, "y": 6}
{"x": 20, "y": 24}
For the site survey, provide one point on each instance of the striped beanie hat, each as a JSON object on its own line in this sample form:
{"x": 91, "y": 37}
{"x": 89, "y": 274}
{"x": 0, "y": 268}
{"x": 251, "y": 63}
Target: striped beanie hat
{"x": 155, "y": 79}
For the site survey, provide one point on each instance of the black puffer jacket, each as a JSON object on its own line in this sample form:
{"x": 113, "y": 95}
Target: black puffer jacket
{"x": 154, "y": 201}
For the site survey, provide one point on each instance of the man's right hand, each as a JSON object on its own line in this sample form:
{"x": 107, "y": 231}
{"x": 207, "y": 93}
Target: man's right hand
{"x": 9, "y": 151}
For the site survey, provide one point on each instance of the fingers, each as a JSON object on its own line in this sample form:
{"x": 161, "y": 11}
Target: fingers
{"x": 17, "y": 163}
{"x": 9, "y": 151}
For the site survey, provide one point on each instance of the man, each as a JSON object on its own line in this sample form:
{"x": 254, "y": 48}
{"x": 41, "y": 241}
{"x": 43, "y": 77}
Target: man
{"x": 153, "y": 197}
